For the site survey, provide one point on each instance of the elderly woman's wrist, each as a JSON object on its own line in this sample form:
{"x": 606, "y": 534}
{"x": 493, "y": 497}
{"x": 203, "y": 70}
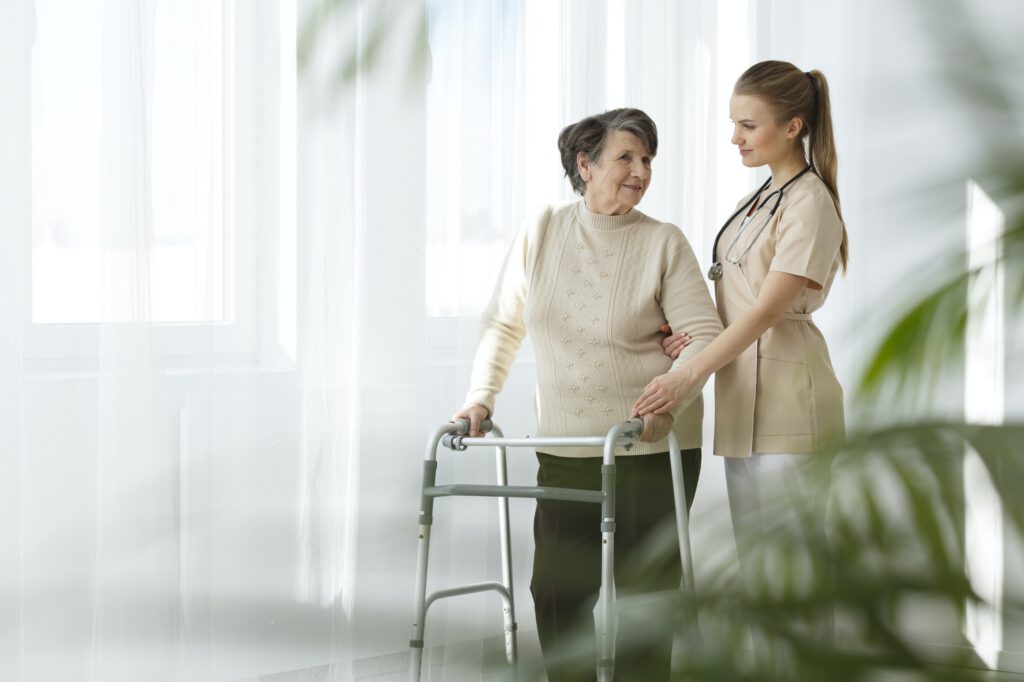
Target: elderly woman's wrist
{"x": 471, "y": 405}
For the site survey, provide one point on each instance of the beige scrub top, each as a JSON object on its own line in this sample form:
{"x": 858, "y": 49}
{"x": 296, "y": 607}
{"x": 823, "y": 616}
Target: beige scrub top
{"x": 781, "y": 394}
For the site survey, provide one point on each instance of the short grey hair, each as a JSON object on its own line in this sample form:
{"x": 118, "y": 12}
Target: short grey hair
{"x": 589, "y": 134}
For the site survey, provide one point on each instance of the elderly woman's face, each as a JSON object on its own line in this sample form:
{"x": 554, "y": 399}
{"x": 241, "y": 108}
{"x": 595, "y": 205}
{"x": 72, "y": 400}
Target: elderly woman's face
{"x": 619, "y": 179}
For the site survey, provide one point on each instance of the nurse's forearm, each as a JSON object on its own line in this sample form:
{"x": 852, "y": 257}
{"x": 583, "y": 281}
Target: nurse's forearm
{"x": 777, "y": 295}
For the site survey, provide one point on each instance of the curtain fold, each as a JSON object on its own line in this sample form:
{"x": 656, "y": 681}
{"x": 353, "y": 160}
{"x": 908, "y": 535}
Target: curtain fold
{"x": 330, "y": 273}
{"x": 17, "y": 30}
{"x": 137, "y": 543}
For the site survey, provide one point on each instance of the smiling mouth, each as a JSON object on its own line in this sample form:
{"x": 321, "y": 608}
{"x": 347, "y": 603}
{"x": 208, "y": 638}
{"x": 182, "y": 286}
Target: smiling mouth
{"x": 635, "y": 188}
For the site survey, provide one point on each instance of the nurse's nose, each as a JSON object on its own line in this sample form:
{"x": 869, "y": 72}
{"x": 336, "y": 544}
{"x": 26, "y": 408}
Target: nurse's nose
{"x": 736, "y": 137}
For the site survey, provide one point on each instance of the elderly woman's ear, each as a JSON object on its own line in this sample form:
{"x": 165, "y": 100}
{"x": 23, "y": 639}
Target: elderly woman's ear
{"x": 583, "y": 163}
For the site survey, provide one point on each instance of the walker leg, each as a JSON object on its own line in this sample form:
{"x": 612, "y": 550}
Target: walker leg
{"x": 606, "y": 610}
{"x": 508, "y": 608}
{"x": 422, "y": 556}
{"x": 682, "y": 528}
{"x": 420, "y": 606}
{"x": 606, "y": 598}
{"x": 511, "y": 645}
{"x": 415, "y": 663}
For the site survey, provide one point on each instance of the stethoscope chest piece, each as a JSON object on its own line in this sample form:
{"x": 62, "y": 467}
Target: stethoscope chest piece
{"x": 715, "y": 272}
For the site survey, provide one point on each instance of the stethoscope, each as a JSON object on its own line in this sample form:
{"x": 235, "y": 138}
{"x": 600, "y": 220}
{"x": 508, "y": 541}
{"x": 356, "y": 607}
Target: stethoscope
{"x": 715, "y": 271}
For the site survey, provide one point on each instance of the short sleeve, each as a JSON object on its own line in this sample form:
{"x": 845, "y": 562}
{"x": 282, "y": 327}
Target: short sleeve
{"x": 809, "y": 234}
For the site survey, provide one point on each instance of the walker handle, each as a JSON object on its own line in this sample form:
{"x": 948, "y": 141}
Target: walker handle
{"x": 638, "y": 424}
{"x": 463, "y": 426}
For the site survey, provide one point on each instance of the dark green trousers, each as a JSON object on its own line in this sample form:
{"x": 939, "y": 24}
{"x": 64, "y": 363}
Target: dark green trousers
{"x": 567, "y": 564}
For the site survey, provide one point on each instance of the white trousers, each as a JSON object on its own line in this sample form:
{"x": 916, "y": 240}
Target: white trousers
{"x": 778, "y": 504}
{"x": 771, "y": 498}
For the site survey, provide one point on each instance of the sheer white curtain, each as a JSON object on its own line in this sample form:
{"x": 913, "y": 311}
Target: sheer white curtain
{"x": 237, "y": 300}
{"x": 156, "y": 502}
{"x": 16, "y": 27}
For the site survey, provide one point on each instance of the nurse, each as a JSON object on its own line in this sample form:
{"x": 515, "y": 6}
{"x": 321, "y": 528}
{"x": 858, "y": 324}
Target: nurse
{"x": 777, "y": 399}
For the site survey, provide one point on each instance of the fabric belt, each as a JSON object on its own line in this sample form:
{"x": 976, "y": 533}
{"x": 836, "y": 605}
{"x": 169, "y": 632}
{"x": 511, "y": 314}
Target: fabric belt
{"x": 802, "y": 317}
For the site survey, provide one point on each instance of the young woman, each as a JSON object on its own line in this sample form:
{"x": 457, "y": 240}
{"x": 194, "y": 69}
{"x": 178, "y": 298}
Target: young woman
{"x": 777, "y": 399}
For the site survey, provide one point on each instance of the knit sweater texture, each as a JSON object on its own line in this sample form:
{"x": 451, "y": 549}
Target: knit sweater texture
{"x": 592, "y": 291}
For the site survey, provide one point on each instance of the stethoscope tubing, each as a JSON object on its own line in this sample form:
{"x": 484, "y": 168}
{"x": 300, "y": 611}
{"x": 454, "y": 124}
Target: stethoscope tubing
{"x": 716, "y": 266}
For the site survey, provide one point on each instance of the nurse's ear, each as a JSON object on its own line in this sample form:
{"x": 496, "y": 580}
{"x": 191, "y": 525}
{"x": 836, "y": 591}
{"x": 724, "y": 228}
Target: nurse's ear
{"x": 794, "y": 127}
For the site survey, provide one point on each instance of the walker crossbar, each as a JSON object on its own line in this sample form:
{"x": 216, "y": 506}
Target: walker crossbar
{"x": 546, "y": 442}
{"x": 453, "y": 436}
{"x": 473, "y": 588}
{"x": 536, "y": 492}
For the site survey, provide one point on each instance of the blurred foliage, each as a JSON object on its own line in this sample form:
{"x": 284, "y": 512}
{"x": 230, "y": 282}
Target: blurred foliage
{"x": 347, "y": 39}
{"x": 894, "y": 544}
{"x": 929, "y": 337}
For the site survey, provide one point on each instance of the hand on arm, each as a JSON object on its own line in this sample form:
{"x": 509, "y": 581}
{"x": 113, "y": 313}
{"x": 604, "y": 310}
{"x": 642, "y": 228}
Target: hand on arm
{"x": 674, "y": 343}
{"x": 686, "y": 305}
{"x": 777, "y": 294}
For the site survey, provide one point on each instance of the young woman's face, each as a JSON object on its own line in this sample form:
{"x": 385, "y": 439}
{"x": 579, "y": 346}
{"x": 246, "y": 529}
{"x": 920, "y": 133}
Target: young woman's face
{"x": 618, "y": 181}
{"x": 760, "y": 139}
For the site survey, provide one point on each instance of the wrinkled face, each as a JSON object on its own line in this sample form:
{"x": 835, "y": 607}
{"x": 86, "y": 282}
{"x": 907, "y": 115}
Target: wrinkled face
{"x": 619, "y": 179}
{"x": 760, "y": 139}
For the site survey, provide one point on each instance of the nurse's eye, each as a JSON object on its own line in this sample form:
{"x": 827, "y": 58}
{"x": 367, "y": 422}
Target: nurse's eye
{"x": 747, "y": 126}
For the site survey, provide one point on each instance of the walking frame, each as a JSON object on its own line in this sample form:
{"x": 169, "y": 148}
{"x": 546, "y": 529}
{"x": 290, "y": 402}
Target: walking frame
{"x": 453, "y": 436}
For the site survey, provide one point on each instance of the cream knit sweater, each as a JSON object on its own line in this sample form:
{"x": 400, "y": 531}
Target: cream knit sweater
{"x": 592, "y": 290}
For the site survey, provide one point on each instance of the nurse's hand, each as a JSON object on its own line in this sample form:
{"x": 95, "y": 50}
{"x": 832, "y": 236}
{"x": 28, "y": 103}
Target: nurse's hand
{"x": 656, "y": 427}
{"x": 665, "y": 391}
{"x": 475, "y": 414}
{"x": 673, "y": 344}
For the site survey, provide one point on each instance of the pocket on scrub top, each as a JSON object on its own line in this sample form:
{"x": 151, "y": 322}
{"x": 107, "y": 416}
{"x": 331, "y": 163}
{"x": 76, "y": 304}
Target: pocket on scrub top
{"x": 783, "y": 399}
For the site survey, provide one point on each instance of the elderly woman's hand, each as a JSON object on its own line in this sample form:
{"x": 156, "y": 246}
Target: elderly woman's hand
{"x": 665, "y": 391}
{"x": 673, "y": 344}
{"x": 656, "y": 427}
{"x": 475, "y": 414}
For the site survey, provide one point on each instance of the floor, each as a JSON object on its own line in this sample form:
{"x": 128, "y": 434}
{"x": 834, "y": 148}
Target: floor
{"x": 395, "y": 668}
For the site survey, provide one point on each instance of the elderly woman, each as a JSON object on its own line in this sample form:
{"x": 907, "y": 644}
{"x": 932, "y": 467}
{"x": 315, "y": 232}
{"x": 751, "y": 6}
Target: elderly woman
{"x": 591, "y": 282}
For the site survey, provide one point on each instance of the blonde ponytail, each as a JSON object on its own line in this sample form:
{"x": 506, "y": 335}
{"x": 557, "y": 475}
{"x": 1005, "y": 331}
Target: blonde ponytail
{"x": 822, "y": 148}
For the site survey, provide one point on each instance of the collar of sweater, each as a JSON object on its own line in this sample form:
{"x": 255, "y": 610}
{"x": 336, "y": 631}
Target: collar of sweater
{"x": 597, "y": 221}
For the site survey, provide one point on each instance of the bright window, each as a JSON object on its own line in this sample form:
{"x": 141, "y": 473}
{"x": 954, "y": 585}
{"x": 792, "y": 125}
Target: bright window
{"x": 203, "y": 174}
{"x": 984, "y": 389}
{"x": 187, "y": 195}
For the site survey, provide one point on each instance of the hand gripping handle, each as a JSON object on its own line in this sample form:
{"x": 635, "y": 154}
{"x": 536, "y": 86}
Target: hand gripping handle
{"x": 463, "y": 426}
